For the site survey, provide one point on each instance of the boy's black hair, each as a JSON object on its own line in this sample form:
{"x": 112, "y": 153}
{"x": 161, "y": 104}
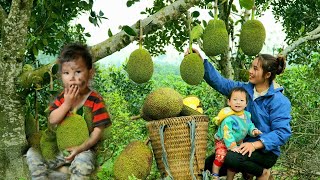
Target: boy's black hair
{"x": 239, "y": 89}
{"x": 74, "y": 51}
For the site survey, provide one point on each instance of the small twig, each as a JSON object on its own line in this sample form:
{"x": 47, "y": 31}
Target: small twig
{"x": 135, "y": 117}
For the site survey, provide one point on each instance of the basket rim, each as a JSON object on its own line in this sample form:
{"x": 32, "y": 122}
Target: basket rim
{"x": 179, "y": 117}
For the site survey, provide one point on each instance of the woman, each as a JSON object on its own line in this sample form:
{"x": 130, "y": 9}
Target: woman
{"x": 270, "y": 111}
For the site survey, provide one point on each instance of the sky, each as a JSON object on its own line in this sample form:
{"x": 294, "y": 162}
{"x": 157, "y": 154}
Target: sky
{"x": 119, "y": 14}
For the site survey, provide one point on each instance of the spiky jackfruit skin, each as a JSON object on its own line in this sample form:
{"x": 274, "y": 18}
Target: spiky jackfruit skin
{"x": 48, "y": 145}
{"x": 192, "y": 69}
{"x": 30, "y": 125}
{"x": 252, "y": 37}
{"x": 134, "y": 160}
{"x": 140, "y": 66}
{"x": 73, "y": 131}
{"x": 215, "y": 38}
{"x": 34, "y": 140}
{"x": 162, "y": 103}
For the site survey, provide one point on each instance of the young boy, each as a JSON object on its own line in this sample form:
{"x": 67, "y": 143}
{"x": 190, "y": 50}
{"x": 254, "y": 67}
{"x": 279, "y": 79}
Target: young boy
{"x": 76, "y": 72}
{"x": 234, "y": 124}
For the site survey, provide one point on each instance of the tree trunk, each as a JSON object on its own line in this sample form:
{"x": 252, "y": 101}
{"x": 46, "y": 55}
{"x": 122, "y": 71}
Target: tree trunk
{"x": 12, "y": 131}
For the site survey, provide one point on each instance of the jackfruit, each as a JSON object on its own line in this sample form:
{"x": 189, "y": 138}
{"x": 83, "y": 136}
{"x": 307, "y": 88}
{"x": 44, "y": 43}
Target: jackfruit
{"x": 188, "y": 111}
{"x": 30, "y": 125}
{"x": 194, "y": 103}
{"x": 140, "y": 66}
{"x": 48, "y": 145}
{"x": 215, "y": 38}
{"x": 73, "y": 131}
{"x": 192, "y": 69}
{"x": 252, "y": 37}
{"x": 34, "y": 140}
{"x": 162, "y": 103}
{"x": 134, "y": 160}
{"x": 247, "y": 4}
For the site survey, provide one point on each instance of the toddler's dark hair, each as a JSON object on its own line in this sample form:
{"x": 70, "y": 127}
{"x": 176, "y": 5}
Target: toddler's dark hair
{"x": 74, "y": 51}
{"x": 239, "y": 89}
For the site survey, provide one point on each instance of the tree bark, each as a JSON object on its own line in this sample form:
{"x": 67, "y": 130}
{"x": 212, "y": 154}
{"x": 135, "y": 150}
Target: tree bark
{"x": 12, "y": 132}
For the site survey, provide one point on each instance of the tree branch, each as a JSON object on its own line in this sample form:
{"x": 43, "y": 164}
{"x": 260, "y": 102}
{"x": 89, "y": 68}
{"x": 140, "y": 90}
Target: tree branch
{"x": 313, "y": 35}
{"x": 121, "y": 39}
{"x": 149, "y": 24}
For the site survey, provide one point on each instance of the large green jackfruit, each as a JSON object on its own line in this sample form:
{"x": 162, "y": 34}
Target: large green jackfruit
{"x": 73, "y": 131}
{"x": 192, "y": 69}
{"x": 48, "y": 145}
{"x": 140, "y": 66}
{"x": 134, "y": 160}
{"x": 162, "y": 103}
{"x": 252, "y": 37}
{"x": 215, "y": 38}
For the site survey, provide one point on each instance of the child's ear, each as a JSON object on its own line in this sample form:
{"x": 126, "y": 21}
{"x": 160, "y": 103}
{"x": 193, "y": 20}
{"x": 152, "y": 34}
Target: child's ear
{"x": 91, "y": 73}
{"x": 228, "y": 102}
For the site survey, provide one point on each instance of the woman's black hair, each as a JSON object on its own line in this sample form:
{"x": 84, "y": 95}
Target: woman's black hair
{"x": 274, "y": 65}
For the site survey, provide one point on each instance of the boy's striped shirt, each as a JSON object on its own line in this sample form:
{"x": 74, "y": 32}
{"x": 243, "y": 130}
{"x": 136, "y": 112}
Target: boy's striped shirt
{"x": 94, "y": 102}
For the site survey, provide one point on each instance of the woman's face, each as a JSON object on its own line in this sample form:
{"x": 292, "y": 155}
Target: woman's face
{"x": 256, "y": 73}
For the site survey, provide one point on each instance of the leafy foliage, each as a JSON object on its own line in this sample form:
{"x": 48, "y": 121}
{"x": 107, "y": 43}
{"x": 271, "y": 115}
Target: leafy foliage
{"x": 298, "y": 18}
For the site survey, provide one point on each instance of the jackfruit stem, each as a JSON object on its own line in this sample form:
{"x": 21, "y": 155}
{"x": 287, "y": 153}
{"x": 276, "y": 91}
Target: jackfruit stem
{"x": 140, "y": 35}
{"x": 189, "y": 29}
{"x": 215, "y": 7}
{"x": 253, "y": 11}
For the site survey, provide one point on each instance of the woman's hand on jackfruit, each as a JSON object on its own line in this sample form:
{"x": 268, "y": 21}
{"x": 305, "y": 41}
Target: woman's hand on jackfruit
{"x": 194, "y": 51}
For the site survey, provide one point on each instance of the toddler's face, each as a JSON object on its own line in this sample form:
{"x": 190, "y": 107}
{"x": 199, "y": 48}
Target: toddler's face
{"x": 237, "y": 101}
{"x": 76, "y": 73}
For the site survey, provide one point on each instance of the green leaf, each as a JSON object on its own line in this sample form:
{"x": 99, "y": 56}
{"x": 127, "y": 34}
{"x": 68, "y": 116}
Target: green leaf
{"x": 195, "y": 14}
{"x": 234, "y": 8}
{"x": 101, "y": 13}
{"x": 87, "y": 34}
{"x": 35, "y": 50}
{"x": 45, "y": 42}
{"x": 46, "y": 77}
{"x": 55, "y": 69}
{"x": 93, "y": 14}
{"x": 247, "y": 4}
{"x": 204, "y": 23}
{"x": 110, "y": 33}
{"x": 129, "y": 3}
{"x": 196, "y": 32}
{"x": 129, "y": 30}
{"x": 211, "y": 14}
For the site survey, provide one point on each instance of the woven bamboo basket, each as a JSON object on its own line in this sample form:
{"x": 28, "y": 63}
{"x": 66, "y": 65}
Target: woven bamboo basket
{"x": 177, "y": 144}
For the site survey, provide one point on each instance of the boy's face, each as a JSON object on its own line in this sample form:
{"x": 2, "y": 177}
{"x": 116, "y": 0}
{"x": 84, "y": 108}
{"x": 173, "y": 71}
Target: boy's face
{"x": 237, "y": 101}
{"x": 76, "y": 73}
